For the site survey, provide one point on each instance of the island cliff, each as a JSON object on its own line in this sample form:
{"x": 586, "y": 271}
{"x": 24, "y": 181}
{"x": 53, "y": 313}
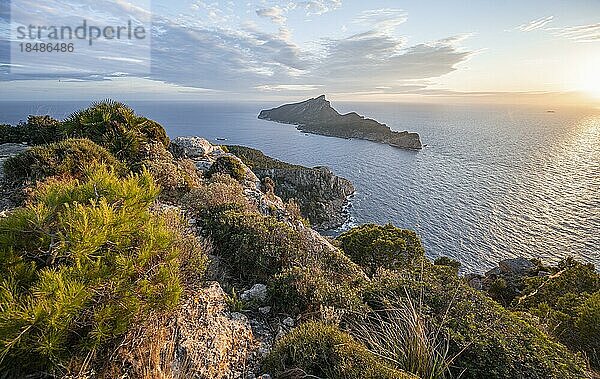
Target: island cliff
{"x": 319, "y": 117}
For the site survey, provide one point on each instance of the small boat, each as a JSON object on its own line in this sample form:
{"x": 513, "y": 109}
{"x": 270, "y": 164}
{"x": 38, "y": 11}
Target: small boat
{"x": 221, "y": 139}
{"x": 550, "y": 111}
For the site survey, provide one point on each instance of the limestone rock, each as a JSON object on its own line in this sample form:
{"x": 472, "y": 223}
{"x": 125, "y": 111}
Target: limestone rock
{"x": 194, "y": 147}
{"x": 201, "y": 339}
{"x": 516, "y": 266}
{"x": 258, "y": 293}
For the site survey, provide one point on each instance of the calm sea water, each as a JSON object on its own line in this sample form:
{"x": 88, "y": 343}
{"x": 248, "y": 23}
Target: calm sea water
{"x": 493, "y": 182}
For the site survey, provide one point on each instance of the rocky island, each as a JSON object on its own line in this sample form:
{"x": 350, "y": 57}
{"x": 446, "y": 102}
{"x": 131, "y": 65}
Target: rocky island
{"x": 319, "y": 117}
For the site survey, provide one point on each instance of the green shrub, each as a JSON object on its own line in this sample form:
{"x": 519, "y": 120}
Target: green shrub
{"x": 79, "y": 264}
{"x": 373, "y": 246}
{"x": 257, "y": 160}
{"x": 36, "y": 131}
{"x": 587, "y": 325}
{"x": 306, "y": 288}
{"x": 318, "y": 350}
{"x": 560, "y": 300}
{"x": 227, "y": 165}
{"x": 208, "y": 201}
{"x": 175, "y": 177}
{"x": 116, "y": 127}
{"x": 302, "y": 272}
{"x": 485, "y": 340}
{"x": 69, "y": 157}
{"x": 254, "y": 247}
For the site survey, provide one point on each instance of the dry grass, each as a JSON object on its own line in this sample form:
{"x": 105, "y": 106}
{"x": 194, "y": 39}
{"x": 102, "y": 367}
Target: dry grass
{"x": 401, "y": 335}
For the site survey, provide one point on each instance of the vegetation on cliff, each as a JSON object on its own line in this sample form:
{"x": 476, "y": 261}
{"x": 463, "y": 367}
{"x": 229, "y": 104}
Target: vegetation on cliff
{"x": 321, "y": 195}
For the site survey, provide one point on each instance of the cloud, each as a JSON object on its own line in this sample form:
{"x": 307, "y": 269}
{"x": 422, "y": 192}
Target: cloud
{"x": 288, "y": 87}
{"x": 245, "y": 59}
{"x": 535, "y": 24}
{"x": 275, "y": 14}
{"x": 318, "y": 7}
{"x": 385, "y": 20}
{"x": 581, "y": 33}
{"x": 370, "y": 60}
{"x": 212, "y": 12}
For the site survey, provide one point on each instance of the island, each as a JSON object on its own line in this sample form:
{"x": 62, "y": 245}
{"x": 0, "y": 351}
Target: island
{"x": 317, "y": 116}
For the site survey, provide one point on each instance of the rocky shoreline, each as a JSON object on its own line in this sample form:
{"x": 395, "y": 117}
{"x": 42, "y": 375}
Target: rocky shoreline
{"x": 318, "y": 117}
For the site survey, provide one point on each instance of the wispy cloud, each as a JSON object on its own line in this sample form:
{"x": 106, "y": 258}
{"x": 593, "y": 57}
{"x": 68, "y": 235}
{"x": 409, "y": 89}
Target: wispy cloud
{"x": 245, "y": 59}
{"x": 288, "y": 87}
{"x": 384, "y": 20}
{"x": 275, "y": 14}
{"x": 318, "y": 7}
{"x": 535, "y": 24}
{"x": 580, "y": 33}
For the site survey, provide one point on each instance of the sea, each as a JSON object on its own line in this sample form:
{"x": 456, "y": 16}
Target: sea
{"x": 493, "y": 181}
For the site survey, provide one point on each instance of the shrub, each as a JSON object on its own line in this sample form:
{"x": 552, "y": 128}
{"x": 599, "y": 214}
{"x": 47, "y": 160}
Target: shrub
{"x": 257, "y": 160}
{"x": 69, "y": 157}
{"x": 302, "y": 272}
{"x": 487, "y": 340}
{"x": 208, "y": 201}
{"x": 318, "y": 350}
{"x": 372, "y": 246}
{"x": 588, "y": 327}
{"x": 175, "y": 177}
{"x": 116, "y": 127}
{"x": 229, "y": 165}
{"x": 254, "y": 247}
{"x": 306, "y": 288}
{"x": 37, "y": 130}
{"x": 560, "y": 300}
{"x": 79, "y": 264}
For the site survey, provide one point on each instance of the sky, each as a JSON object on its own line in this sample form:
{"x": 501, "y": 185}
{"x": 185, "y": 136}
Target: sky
{"x": 443, "y": 50}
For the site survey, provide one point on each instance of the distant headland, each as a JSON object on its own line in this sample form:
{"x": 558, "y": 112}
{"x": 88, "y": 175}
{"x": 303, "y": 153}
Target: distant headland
{"x": 319, "y": 117}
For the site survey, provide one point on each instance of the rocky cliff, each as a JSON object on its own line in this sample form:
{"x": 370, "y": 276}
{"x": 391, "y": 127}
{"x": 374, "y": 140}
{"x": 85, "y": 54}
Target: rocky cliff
{"x": 319, "y": 117}
{"x": 321, "y": 195}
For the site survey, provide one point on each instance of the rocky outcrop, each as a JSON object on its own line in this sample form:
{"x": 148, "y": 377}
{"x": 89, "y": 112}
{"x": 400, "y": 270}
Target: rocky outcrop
{"x": 317, "y": 116}
{"x": 505, "y": 282}
{"x": 202, "y": 338}
{"x": 322, "y": 196}
{"x": 204, "y": 154}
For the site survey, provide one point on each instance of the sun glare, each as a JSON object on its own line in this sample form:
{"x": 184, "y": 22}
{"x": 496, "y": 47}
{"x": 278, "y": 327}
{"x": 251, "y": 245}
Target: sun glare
{"x": 588, "y": 78}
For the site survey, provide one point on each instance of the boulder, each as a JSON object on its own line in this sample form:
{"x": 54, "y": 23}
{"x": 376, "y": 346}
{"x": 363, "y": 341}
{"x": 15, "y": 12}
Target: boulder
{"x": 516, "y": 266}
{"x": 258, "y": 294}
{"x": 194, "y": 147}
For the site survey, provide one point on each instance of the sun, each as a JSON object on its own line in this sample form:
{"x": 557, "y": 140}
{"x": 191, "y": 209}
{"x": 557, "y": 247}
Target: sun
{"x": 591, "y": 86}
{"x": 588, "y": 78}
